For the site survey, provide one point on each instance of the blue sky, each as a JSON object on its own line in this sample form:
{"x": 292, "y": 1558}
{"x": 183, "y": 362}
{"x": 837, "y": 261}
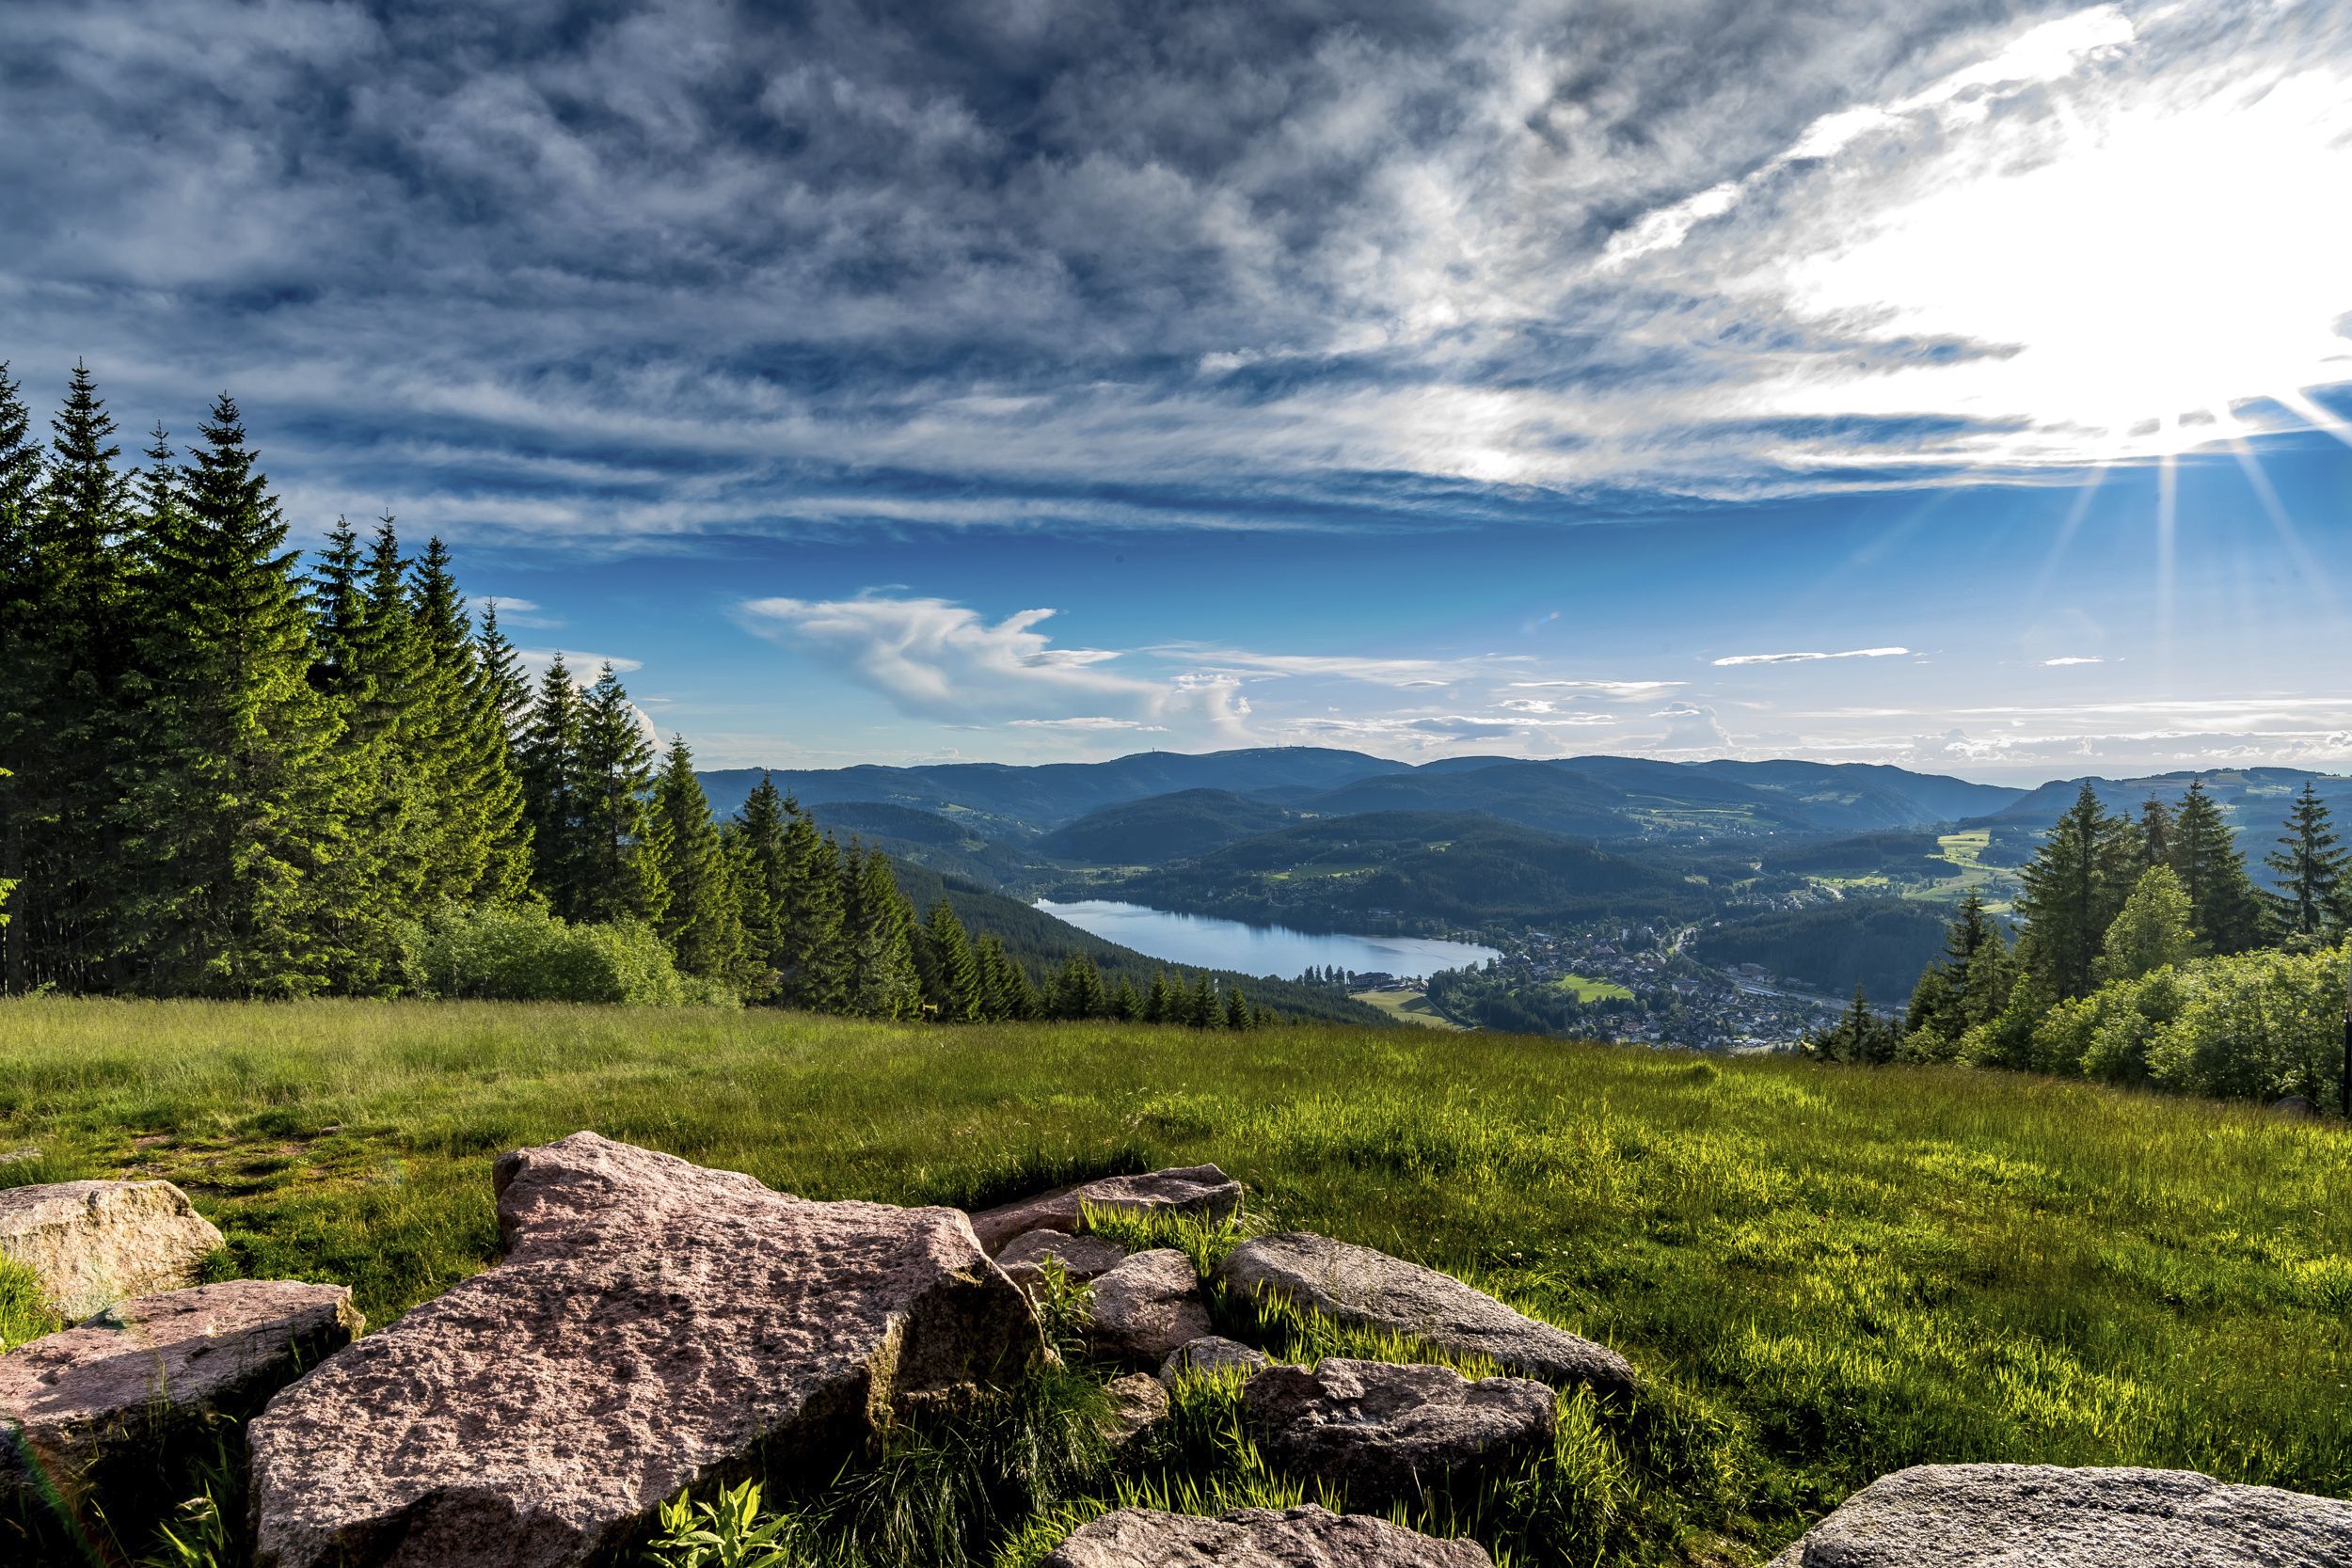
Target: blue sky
{"x": 1960, "y": 384}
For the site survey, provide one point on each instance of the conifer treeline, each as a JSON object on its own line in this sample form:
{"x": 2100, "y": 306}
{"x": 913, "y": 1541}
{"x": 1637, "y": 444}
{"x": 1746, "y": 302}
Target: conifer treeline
{"x": 228, "y": 775}
{"x": 2147, "y": 953}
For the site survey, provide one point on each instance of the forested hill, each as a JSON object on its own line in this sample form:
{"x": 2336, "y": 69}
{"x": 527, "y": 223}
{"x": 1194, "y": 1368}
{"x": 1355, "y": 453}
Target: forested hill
{"x": 1614, "y": 798}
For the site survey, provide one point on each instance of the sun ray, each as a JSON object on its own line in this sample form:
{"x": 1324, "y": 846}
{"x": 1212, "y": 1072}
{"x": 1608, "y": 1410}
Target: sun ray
{"x": 2316, "y": 415}
{"x": 2305, "y": 564}
{"x": 2072, "y": 523}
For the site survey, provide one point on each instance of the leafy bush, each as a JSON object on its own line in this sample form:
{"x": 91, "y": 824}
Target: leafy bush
{"x": 524, "y": 954}
{"x": 728, "y": 1533}
{"x": 2252, "y": 1025}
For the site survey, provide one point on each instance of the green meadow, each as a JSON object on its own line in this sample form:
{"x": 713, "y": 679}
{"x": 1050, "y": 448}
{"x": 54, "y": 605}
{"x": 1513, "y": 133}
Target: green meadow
{"x": 1825, "y": 1273}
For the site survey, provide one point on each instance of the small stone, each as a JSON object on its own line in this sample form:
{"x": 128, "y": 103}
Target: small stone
{"x": 95, "y": 1243}
{"x": 1213, "y": 1353}
{"x": 1378, "y": 1431}
{"x": 1139, "y": 1404}
{"x": 1147, "y": 1307}
{"x": 1201, "y": 1190}
{"x": 1360, "y": 1288}
{"x": 2294, "y": 1107}
{"x": 2044, "y": 1516}
{"x": 114, "y": 1386}
{"x": 654, "y": 1325}
{"x": 1301, "y": 1536}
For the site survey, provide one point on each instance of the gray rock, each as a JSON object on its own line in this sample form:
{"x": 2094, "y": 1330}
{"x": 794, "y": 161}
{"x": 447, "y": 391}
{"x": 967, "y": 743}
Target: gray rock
{"x": 1082, "y": 1258}
{"x": 2294, "y": 1107}
{"x": 654, "y": 1325}
{"x": 1202, "y": 1190}
{"x": 1147, "y": 1307}
{"x": 2042, "y": 1516}
{"x": 115, "y": 1387}
{"x": 1302, "y": 1537}
{"x": 1362, "y": 1288}
{"x": 1213, "y": 1353}
{"x": 95, "y": 1242}
{"x": 1139, "y": 1404}
{"x": 1376, "y": 1432}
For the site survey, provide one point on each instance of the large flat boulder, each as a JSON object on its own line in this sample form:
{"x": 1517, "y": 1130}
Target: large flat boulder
{"x": 117, "y": 1387}
{"x": 1202, "y": 1190}
{"x": 93, "y": 1243}
{"x": 652, "y": 1325}
{"x": 1362, "y": 1288}
{"x": 2044, "y": 1517}
{"x": 1081, "y": 1258}
{"x": 1375, "y": 1432}
{"x": 1302, "y": 1537}
{"x": 1146, "y": 1308}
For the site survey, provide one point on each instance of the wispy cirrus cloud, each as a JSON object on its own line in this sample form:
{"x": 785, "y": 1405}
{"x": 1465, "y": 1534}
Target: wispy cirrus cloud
{"x": 1735, "y": 659}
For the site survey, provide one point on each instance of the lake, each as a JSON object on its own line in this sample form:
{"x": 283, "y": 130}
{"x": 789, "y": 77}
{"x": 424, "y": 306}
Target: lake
{"x": 1202, "y": 942}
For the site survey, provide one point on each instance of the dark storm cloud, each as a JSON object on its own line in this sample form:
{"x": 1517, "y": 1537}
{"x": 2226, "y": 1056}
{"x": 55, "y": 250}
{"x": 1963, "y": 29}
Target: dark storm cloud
{"x": 637, "y": 268}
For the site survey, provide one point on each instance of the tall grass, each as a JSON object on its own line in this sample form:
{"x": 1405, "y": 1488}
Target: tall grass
{"x": 1823, "y": 1273}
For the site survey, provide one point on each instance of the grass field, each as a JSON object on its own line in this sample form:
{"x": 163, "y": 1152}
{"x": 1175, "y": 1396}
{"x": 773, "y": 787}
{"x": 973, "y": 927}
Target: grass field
{"x": 1411, "y": 1005}
{"x": 1825, "y": 1273}
{"x": 1588, "y": 988}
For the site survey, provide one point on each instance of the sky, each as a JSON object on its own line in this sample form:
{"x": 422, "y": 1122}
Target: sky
{"x": 1955, "y": 384}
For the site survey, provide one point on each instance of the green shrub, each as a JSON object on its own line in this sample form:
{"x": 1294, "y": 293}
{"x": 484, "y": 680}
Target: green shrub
{"x": 524, "y": 954}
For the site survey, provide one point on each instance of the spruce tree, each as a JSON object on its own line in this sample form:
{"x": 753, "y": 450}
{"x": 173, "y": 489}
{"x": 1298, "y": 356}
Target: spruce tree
{"x": 956, "y": 994}
{"x": 501, "y": 673}
{"x": 756, "y": 838}
{"x": 548, "y": 758}
{"x": 1157, "y": 1000}
{"x": 2224, "y": 910}
{"x": 1237, "y": 1013}
{"x": 621, "y": 837}
{"x": 237, "y": 799}
{"x": 1021, "y": 1000}
{"x": 481, "y": 851}
{"x": 814, "y": 959}
{"x": 2310, "y": 867}
{"x": 71, "y": 645}
{"x": 1126, "y": 1004}
{"x": 883, "y": 981}
{"x": 2156, "y": 835}
{"x": 2074, "y": 886}
{"x": 703, "y": 922}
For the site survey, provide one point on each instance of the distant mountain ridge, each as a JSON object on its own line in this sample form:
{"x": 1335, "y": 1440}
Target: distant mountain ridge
{"x": 1594, "y": 797}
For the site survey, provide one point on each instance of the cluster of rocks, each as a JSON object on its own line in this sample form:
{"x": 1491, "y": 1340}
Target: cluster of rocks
{"x": 656, "y": 1325}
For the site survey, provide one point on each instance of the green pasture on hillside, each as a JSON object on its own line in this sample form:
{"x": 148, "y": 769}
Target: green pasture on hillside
{"x": 1825, "y": 1273}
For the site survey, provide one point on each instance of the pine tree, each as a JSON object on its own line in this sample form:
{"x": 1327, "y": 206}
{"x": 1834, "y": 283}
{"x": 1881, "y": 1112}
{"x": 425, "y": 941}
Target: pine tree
{"x": 2074, "y": 886}
{"x": 1237, "y": 1013}
{"x": 2156, "y": 835}
{"x": 956, "y": 994}
{"x": 703, "y": 921}
{"x": 882, "y": 982}
{"x": 755, "y": 837}
{"x": 1126, "y": 1004}
{"x": 814, "y": 958}
{"x": 1157, "y": 1000}
{"x": 621, "y": 836}
{"x": 501, "y": 673}
{"x": 1949, "y": 997}
{"x": 1202, "y": 1011}
{"x": 70, "y": 640}
{"x": 2224, "y": 911}
{"x": 2310, "y": 867}
{"x": 1858, "y": 1035}
{"x": 239, "y": 787}
{"x": 481, "y": 851}
{"x": 548, "y": 758}
{"x": 1021, "y": 998}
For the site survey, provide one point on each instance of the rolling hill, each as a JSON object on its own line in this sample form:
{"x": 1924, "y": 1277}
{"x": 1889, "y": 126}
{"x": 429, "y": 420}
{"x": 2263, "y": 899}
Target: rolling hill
{"x": 1163, "y": 828}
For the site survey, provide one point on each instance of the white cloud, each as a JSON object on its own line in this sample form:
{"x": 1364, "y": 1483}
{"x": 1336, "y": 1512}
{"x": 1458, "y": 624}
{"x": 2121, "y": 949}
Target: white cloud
{"x": 1810, "y": 658}
{"x": 1624, "y": 692}
{"x": 1086, "y": 722}
{"x": 2072, "y": 659}
{"x": 582, "y": 665}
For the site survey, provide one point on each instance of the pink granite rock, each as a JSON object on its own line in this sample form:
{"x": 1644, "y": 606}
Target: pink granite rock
{"x": 118, "y": 1385}
{"x": 1147, "y": 1307}
{"x": 1301, "y": 1536}
{"x": 95, "y": 1242}
{"x": 654, "y": 1325}
{"x": 1192, "y": 1190}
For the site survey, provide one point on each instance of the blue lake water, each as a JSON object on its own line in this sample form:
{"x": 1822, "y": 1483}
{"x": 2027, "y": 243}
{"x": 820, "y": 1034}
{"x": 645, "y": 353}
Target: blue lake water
{"x": 1202, "y": 942}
